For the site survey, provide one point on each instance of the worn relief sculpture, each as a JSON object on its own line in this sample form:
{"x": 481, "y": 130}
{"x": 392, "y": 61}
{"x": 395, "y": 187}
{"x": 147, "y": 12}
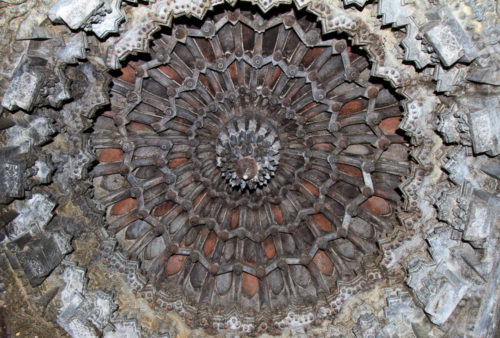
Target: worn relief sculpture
{"x": 249, "y": 168}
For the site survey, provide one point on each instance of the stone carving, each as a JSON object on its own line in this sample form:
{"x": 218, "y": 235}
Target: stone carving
{"x": 413, "y": 46}
{"x": 74, "y": 14}
{"x": 448, "y": 38}
{"x": 22, "y": 90}
{"x": 34, "y": 214}
{"x": 438, "y": 286}
{"x": 468, "y": 211}
{"x": 234, "y": 221}
{"x": 395, "y": 12}
{"x": 343, "y": 166}
{"x": 80, "y": 308}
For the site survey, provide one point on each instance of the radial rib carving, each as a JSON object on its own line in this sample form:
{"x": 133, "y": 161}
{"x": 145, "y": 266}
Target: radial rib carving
{"x": 250, "y": 160}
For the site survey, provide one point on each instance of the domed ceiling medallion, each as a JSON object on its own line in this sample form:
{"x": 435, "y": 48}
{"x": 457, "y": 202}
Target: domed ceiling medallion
{"x": 250, "y": 165}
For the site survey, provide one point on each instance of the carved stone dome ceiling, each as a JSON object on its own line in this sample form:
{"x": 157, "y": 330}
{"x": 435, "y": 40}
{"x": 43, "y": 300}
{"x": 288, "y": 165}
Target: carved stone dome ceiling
{"x": 290, "y": 167}
{"x": 249, "y": 162}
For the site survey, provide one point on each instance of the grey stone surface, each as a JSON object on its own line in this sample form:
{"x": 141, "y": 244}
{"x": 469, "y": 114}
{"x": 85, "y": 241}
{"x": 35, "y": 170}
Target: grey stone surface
{"x": 450, "y": 190}
{"x": 108, "y": 19}
{"x": 448, "y": 80}
{"x": 11, "y": 179}
{"x": 22, "y": 90}
{"x": 438, "y": 286}
{"x": 36, "y": 131}
{"x": 40, "y": 255}
{"x": 395, "y": 12}
{"x": 414, "y": 50}
{"x": 82, "y": 310}
{"x": 34, "y": 214}
{"x": 124, "y": 328}
{"x": 74, "y": 13}
{"x": 448, "y": 38}
{"x": 485, "y": 130}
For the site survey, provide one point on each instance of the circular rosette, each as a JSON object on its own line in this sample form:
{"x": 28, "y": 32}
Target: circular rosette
{"x": 248, "y": 152}
{"x": 250, "y": 162}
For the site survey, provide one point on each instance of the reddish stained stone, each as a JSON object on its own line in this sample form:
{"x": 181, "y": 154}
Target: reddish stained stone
{"x": 292, "y": 92}
{"x": 203, "y": 80}
{"x": 349, "y": 170}
{"x": 233, "y": 71}
{"x": 163, "y": 208}
{"x": 276, "y": 75}
{"x": 306, "y": 109}
{"x": 322, "y": 222}
{"x": 171, "y": 73}
{"x": 182, "y": 244}
{"x": 251, "y": 262}
{"x": 137, "y": 127}
{"x": 128, "y": 74}
{"x": 111, "y": 155}
{"x": 249, "y": 284}
{"x": 324, "y": 147}
{"x": 324, "y": 263}
{"x": 175, "y": 264}
{"x": 235, "y": 217}
{"x": 278, "y": 216}
{"x": 378, "y": 205}
{"x": 109, "y": 114}
{"x": 174, "y": 156}
{"x": 199, "y": 198}
{"x": 177, "y": 162}
{"x": 390, "y": 125}
{"x": 211, "y": 130}
{"x": 187, "y": 182}
{"x": 269, "y": 248}
{"x": 312, "y": 189}
{"x": 351, "y": 107}
{"x": 129, "y": 219}
{"x": 206, "y": 48}
{"x": 181, "y": 120}
{"x": 214, "y": 86}
{"x": 210, "y": 242}
{"x": 192, "y": 102}
{"x": 124, "y": 206}
{"x": 352, "y": 56}
{"x": 311, "y": 55}
{"x": 396, "y": 139}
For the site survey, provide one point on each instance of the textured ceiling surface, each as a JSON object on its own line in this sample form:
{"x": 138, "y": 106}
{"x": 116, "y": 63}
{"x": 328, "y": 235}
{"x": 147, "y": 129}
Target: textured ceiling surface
{"x": 250, "y": 163}
{"x": 294, "y": 168}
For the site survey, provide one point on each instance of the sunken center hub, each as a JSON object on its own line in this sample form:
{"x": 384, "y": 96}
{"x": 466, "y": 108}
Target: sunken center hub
{"x": 247, "y": 168}
{"x": 248, "y": 151}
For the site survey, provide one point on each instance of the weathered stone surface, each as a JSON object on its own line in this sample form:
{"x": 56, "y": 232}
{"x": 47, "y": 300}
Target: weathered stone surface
{"x": 11, "y": 179}
{"x": 82, "y": 311}
{"x": 74, "y": 14}
{"x": 467, "y": 212}
{"x": 485, "y": 131}
{"x": 34, "y": 214}
{"x": 402, "y": 314}
{"x": 438, "y": 286}
{"x": 448, "y": 38}
{"x": 124, "y": 328}
{"x": 22, "y": 90}
{"x": 414, "y": 50}
{"x": 395, "y": 12}
{"x": 108, "y": 19}
{"x": 338, "y": 225}
{"x": 39, "y": 256}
